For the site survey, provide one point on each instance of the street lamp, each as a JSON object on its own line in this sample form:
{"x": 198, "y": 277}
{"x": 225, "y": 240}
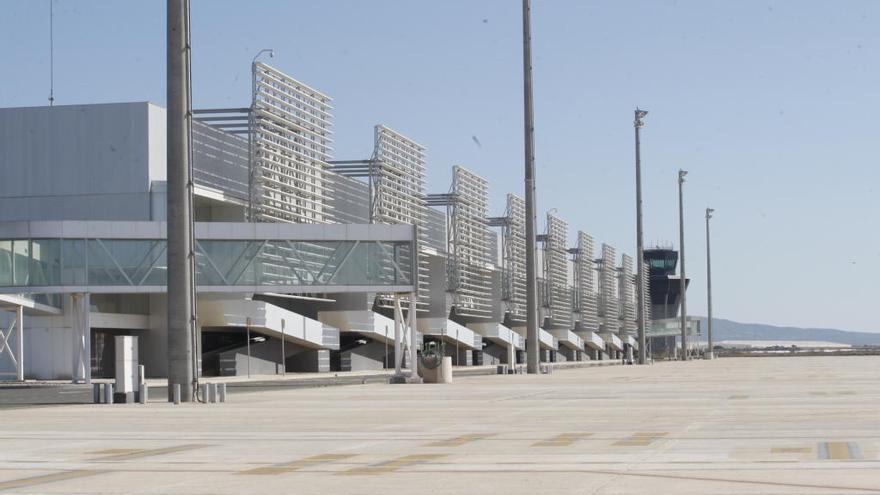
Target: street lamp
{"x": 711, "y": 354}
{"x": 252, "y": 124}
{"x": 638, "y": 123}
{"x": 683, "y": 281}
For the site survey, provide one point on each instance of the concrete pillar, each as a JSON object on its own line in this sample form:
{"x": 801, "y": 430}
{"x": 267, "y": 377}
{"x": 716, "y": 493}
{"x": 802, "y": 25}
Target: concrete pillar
{"x": 179, "y": 209}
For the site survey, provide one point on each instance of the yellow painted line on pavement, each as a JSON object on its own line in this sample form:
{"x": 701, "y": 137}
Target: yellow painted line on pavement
{"x": 115, "y": 451}
{"x": 394, "y": 464}
{"x": 298, "y": 464}
{"x": 460, "y": 440}
{"x": 641, "y": 439}
{"x": 47, "y": 478}
{"x": 138, "y": 454}
{"x": 562, "y": 440}
{"x": 791, "y": 450}
{"x": 839, "y": 451}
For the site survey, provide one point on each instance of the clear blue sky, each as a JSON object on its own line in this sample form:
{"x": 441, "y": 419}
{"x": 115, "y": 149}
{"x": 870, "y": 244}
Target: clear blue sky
{"x": 771, "y": 106}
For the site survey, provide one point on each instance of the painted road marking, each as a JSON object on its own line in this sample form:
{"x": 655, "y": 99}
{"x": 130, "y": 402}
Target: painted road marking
{"x": 641, "y": 439}
{"x": 114, "y": 451}
{"x": 460, "y": 440}
{"x": 562, "y": 440}
{"x": 139, "y": 453}
{"x": 791, "y": 450}
{"x": 298, "y": 464}
{"x": 47, "y": 478}
{"x": 839, "y": 451}
{"x": 394, "y": 464}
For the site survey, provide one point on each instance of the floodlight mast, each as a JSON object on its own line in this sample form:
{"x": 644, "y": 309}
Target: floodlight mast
{"x": 638, "y": 123}
{"x": 711, "y": 353}
{"x": 683, "y": 281}
{"x": 532, "y": 342}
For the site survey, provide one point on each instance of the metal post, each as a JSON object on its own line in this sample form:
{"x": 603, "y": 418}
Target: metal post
{"x": 397, "y": 336}
{"x": 640, "y": 243}
{"x": 283, "y": 355}
{"x": 247, "y": 323}
{"x": 413, "y": 350}
{"x": 108, "y": 393}
{"x": 180, "y": 350}
{"x": 711, "y": 354}
{"x": 683, "y": 286}
{"x": 19, "y": 341}
{"x": 532, "y": 344}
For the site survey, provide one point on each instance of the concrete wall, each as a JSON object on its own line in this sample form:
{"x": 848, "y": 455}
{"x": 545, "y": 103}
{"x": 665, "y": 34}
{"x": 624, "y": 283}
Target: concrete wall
{"x": 369, "y": 356}
{"x": 80, "y": 162}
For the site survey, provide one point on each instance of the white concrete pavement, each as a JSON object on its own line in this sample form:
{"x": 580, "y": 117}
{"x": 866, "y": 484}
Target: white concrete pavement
{"x": 735, "y": 425}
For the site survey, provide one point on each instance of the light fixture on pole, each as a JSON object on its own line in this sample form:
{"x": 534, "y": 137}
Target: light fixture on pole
{"x": 252, "y": 131}
{"x": 683, "y": 281}
{"x": 711, "y": 353}
{"x": 638, "y": 123}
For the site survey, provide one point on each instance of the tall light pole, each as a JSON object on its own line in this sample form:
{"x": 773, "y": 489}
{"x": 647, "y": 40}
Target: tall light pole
{"x": 683, "y": 281}
{"x": 638, "y": 123}
{"x": 711, "y": 354}
{"x": 180, "y": 304}
{"x": 532, "y": 343}
{"x": 252, "y": 130}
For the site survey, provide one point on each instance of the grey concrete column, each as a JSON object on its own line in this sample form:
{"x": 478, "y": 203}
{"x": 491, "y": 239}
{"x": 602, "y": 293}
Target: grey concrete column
{"x": 180, "y": 311}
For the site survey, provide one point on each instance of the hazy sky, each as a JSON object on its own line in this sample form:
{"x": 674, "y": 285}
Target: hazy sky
{"x": 771, "y": 106}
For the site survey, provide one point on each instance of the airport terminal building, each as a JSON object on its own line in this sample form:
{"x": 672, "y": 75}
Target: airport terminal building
{"x": 303, "y": 259}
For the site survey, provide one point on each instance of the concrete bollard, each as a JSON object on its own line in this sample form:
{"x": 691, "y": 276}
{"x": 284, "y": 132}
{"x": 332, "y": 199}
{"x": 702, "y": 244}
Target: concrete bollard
{"x": 96, "y": 393}
{"x": 221, "y": 392}
{"x": 108, "y": 393}
{"x": 204, "y": 392}
{"x": 143, "y": 390}
{"x": 213, "y": 392}
{"x": 176, "y": 393}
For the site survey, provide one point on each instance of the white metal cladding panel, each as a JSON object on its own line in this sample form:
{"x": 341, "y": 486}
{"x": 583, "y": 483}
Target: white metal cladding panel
{"x": 220, "y": 160}
{"x": 434, "y": 232}
{"x": 556, "y": 271}
{"x": 514, "y": 258}
{"x": 292, "y": 144}
{"x": 587, "y": 299}
{"x": 468, "y": 238}
{"x": 608, "y": 300}
{"x": 399, "y": 193}
{"x": 78, "y": 162}
{"x": 626, "y": 295}
{"x": 350, "y": 200}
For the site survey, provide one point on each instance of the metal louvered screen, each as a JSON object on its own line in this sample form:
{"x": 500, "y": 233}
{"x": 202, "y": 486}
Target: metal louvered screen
{"x": 514, "y": 259}
{"x": 586, "y": 298}
{"x": 291, "y": 136}
{"x": 398, "y": 183}
{"x": 556, "y": 272}
{"x": 627, "y": 295}
{"x": 469, "y": 276}
{"x": 608, "y": 304}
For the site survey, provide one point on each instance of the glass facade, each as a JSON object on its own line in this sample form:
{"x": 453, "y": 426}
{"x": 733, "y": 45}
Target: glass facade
{"x": 142, "y": 263}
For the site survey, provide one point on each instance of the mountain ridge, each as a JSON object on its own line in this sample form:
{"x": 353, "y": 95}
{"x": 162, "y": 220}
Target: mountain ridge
{"x": 723, "y": 329}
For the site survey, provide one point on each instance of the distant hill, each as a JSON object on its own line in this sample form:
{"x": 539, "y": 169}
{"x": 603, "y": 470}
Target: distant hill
{"x": 732, "y": 330}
